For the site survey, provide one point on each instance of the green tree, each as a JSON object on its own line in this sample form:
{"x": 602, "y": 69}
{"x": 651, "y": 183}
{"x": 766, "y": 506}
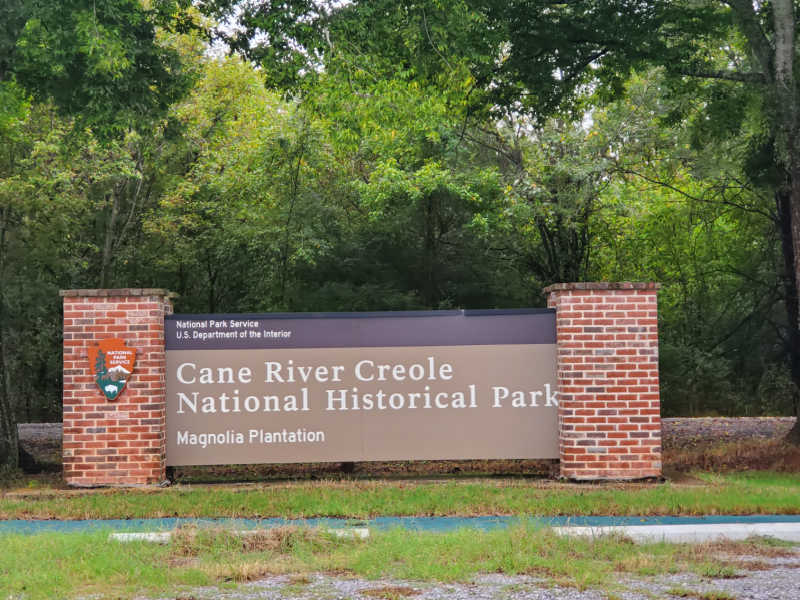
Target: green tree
{"x": 100, "y": 63}
{"x": 738, "y": 54}
{"x": 247, "y": 209}
{"x": 414, "y": 186}
{"x": 295, "y": 42}
{"x": 100, "y": 60}
{"x": 40, "y": 212}
{"x": 554, "y": 177}
{"x": 686, "y": 215}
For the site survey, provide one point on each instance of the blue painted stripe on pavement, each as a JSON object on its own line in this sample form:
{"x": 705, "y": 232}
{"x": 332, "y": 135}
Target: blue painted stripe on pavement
{"x": 439, "y": 524}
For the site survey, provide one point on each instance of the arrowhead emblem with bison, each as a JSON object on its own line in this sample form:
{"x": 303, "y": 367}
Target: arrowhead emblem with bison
{"x": 111, "y": 364}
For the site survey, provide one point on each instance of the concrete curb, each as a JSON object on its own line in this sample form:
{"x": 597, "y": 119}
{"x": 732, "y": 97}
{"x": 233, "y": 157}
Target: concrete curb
{"x": 163, "y": 537}
{"x": 646, "y": 534}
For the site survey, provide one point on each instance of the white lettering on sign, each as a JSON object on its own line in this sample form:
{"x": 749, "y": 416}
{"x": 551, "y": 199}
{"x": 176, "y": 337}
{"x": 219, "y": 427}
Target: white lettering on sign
{"x": 277, "y": 372}
{"x": 254, "y": 436}
{"x": 188, "y": 373}
{"x": 523, "y": 398}
{"x": 224, "y": 403}
{"x": 352, "y": 399}
{"x": 367, "y": 370}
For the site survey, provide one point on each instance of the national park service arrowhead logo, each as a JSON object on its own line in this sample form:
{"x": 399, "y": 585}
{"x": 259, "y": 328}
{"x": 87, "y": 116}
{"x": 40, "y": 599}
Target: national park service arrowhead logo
{"x": 111, "y": 364}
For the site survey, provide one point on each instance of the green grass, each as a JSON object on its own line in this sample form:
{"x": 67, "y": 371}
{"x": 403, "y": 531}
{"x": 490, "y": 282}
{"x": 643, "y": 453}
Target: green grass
{"x": 680, "y": 592}
{"x": 70, "y": 565}
{"x": 53, "y": 566}
{"x": 753, "y": 478}
{"x": 747, "y": 493}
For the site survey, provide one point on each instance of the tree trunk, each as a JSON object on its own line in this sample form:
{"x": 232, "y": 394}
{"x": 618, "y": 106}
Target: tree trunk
{"x": 794, "y": 305}
{"x": 430, "y": 286}
{"x": 788, "y": 131}
{"x": 108, "y": 245}
{"x": 9, "y": 443}
{"x": 9, "y": 448}
{"x": 783, "y": 200}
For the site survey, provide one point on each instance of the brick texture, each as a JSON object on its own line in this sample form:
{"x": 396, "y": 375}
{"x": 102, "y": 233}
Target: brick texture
{"x": 121, "y": 442}
{"x": 609, "y": 409}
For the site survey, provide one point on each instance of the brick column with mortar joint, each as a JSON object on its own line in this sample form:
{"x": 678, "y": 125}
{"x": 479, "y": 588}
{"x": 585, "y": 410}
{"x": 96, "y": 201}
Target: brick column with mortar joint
{"x": 121, "y": 442}
{"x": 609, "y": 408}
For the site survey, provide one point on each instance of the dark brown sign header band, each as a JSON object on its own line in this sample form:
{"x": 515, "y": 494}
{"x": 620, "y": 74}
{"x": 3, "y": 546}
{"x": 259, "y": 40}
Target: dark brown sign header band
{"x": 360, "y": 330}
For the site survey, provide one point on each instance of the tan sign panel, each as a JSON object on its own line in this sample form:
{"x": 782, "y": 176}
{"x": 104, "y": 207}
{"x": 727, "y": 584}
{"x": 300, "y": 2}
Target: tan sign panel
{"x": 358, "y": 403}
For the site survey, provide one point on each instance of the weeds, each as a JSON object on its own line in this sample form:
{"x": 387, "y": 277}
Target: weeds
{"x": 753, "y": 546}
{"x": 681, "y": 592}
{"x": 390, "y": 592}
{"x": 717, "y": 570}
{"x": 719, "y": 559}
{"x": 716, "y": 595}
{"x": 68, "y": 565}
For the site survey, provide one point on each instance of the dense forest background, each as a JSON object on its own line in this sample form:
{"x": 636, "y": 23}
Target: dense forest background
{"x": 398, "y": 155}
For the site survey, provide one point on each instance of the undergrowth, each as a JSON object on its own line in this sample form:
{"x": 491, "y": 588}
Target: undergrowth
{"x": 741, "y": 455}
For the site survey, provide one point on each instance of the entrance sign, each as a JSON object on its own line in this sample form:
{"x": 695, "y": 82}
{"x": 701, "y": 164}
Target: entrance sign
{"x": 361, "y": 386}
{"x": 211, "y": 389}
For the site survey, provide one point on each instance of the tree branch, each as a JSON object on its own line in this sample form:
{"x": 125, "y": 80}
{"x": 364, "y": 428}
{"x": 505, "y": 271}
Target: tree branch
{"x": 751, "y": 27}
{"x": 681, "y": 192}
{"x": 748, "y": 77}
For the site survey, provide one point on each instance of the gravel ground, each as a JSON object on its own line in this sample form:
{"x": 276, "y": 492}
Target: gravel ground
{"x": 683, "y": 432}
{"x": 40, "y": 446}
{"x": 781, "y": 582}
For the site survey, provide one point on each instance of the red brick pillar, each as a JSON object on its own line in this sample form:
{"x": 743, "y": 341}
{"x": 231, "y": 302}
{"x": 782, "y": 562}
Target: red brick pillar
{"x": 609, "y": 409}
{"x": 120, "y": 442}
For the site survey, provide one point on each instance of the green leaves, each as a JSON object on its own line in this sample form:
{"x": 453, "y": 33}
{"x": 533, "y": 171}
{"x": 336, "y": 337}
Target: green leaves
{"x": 101, "y": 61}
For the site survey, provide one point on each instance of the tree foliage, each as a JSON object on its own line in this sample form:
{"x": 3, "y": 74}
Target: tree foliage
{"x": 101, "y": 65}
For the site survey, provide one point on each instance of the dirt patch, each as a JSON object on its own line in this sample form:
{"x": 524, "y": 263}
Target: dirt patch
{"x": 390, "y": 592}
{"x": 366, "y": 470}
{"x": 753, "y": 565}
{"x": 181, "y": 562}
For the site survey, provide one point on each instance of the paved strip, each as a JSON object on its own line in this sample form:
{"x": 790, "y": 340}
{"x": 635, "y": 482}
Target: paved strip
{"x": 789, "y": 532}
{"x": 638, "y": 533}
